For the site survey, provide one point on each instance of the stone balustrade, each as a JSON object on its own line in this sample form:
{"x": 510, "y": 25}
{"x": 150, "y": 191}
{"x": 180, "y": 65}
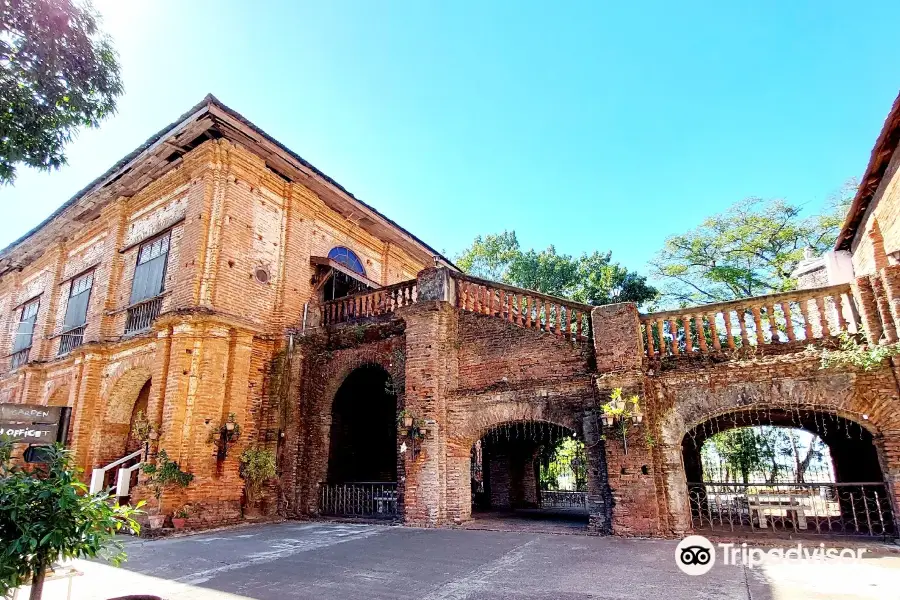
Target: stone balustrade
{"x": 525, "y": 308}
{"x": 797, "y": 316}
{"x": 369, "y": 304}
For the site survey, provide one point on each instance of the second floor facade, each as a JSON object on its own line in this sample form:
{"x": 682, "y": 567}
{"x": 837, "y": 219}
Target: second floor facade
{"x": 210, "y": 214}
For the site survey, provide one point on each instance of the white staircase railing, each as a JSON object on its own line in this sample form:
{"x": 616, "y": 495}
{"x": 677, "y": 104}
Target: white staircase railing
{"x": 123, "y": 479}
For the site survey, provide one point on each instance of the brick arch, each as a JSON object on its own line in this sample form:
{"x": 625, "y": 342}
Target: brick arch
{"x": 477, "y": 423}
{"x": 835, "y": 393}
{"x": 124, "y": 393}
{"x": 842, "y": 393}
{"x": 58, "y": 395}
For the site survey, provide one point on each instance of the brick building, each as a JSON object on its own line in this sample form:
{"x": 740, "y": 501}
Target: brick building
{"x": 214, "y": 272}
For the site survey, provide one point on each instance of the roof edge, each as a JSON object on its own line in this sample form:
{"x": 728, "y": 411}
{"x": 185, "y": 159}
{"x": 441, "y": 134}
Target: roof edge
{"x": 880, "y": 158}
{"x": 192, "y": 114}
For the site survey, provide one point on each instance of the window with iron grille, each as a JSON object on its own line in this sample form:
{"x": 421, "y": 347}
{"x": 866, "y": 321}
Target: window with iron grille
{"x": 79, "y": 296}
{"x": 25, "y": 330}
{"x": 150, "y": 272}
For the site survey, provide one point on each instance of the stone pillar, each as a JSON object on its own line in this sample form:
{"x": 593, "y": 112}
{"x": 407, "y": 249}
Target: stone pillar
{"x": 868, "y": 308}
{"x": 617, "y": 337}
{"x": 431, "y": 372}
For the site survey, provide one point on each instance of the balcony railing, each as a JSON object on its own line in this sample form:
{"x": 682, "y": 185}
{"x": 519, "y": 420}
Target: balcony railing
{"x": 798, "y": 316}
{"x": 374, "y": 500}
{"x": 369, "y": 304}
{"x": 141, "y": 315}
{"x": 17, "y": 359}
{"x": 70, "y": 340}
{"x": 525, "y": 308}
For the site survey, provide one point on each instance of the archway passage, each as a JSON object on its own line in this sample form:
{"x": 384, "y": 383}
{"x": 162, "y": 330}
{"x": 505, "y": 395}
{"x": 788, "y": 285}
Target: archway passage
{"x": 801, "y": 471}
{"x": 362, "y": 460}
{"x": 529, "y": 471}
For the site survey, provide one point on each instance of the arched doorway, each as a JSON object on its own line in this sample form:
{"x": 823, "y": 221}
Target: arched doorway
{"x": 530, "y": 470}
{"x": 362, "y": 457}
{"x": 128, "y": 397}
{"x": 802, "y": 471}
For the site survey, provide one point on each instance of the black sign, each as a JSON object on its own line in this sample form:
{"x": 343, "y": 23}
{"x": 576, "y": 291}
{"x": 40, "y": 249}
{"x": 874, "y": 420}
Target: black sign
{"x": 34, "y": 424}
{"x": 29, "y": 434}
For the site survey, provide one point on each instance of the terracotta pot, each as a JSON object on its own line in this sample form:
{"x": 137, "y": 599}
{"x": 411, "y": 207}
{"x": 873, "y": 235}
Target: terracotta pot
{"x": 407, "y": 421}
{"x": 156, "y": 521}
{"x": 178, "y": 522}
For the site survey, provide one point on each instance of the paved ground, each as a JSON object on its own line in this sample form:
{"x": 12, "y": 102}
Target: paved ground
{"x": 327, "y": 560}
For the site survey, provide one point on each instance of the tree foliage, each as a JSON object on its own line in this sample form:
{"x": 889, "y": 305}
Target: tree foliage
{"x": 749, "y": 250}
{"x": 58, "y": 72}
{"x": 590, "y": 278}
{"x": 567, "y": 460}
{"x": 47, "y": 515}
{"x": 767, "y": 453}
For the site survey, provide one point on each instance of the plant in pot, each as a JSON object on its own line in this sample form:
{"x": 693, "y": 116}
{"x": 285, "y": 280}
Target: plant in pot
{"x": 162, "y": 474}
{"x": 180, "y": 517}
{"x": 404, "y": 419}
{"x": 257, "y": 468}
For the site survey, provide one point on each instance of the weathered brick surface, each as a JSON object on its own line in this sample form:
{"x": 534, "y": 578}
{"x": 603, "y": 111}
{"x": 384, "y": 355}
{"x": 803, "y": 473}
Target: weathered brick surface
{"x": 209, "y": 354}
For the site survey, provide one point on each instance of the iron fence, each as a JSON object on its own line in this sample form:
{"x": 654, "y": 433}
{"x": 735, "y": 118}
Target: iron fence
{"x": 70, "y": 340}
{"x": 563, "y": 499}
{"x": 19, "y": 358}
{"x": 374, "y": 500}
{"x": 826, "y": 508}
{"x": 142, "y": 314}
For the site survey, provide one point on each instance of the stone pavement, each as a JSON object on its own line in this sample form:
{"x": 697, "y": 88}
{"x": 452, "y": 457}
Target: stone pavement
{"x": 349, "y": 561}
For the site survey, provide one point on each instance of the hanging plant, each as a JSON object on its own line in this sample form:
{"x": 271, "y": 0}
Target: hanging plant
{"x": 620, "y": 413}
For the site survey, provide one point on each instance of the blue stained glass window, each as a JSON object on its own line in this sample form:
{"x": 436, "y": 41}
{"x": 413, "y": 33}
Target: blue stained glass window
{"x": 348, "y": 258}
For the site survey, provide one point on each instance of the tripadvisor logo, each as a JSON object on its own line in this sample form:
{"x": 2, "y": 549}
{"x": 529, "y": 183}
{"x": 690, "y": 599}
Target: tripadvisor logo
{"x": 695, "y": 555}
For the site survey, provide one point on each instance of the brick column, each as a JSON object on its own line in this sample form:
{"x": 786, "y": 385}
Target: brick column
{"x": 207, "y": 379}
{"x": 85, "y": 417}
{"x": 884, "y": 311}
{"x": 890, "y": 457}
{"x": 431, "y": 371}
{"x": 617, "y": 337}
{"x": 868, "y": 309}
{"x": 890, "y": 277}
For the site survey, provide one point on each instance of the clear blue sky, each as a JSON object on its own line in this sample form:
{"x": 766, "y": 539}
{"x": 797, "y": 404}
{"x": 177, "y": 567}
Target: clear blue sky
{"x": 595, "y": 126}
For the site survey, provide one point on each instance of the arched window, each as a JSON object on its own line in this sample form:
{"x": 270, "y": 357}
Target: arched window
{"x": 348, "y": 258}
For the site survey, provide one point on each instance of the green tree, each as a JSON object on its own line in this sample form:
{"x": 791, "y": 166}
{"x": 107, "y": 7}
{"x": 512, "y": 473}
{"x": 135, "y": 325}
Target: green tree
{"x": 741, "y": 451}
{"x": 749, "y": 250}
{"x": 47, "y": 515}
{"x": 590, "y": 278}
{"x": 58, "y": 72}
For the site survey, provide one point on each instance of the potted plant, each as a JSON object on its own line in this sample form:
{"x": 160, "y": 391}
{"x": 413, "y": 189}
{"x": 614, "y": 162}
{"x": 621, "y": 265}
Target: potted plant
{"x": 180, "y": 517}
{"x": 162, "y": 474}
{"x": 405, "y": 419}
{"x": 257, "y": 468}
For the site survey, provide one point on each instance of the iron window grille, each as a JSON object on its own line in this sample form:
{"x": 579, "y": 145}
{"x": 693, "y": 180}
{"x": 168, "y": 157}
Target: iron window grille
{"x": 25, "y": 333}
